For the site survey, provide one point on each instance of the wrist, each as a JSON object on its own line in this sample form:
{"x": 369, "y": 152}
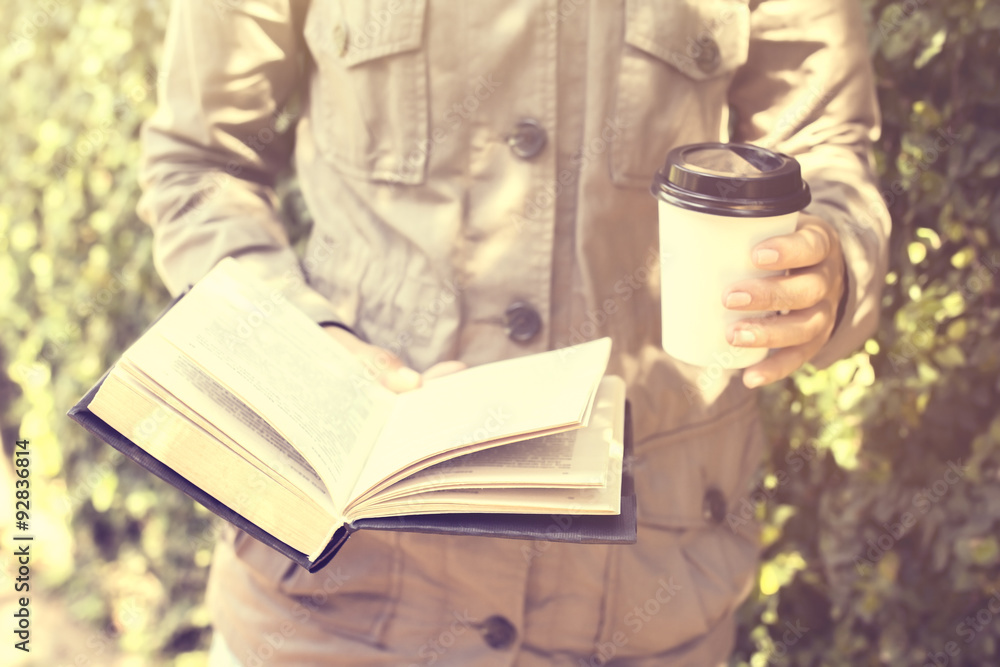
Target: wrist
{"x": 340, "y": 325}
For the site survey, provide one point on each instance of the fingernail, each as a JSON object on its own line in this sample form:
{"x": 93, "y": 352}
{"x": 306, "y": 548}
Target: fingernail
{"x": 743, "y": 337}
{"x": 737, "y": 300}
{"x": 408, "y": 376}
{"x": 752, "y": 380}
{"x": 765, "y": 256}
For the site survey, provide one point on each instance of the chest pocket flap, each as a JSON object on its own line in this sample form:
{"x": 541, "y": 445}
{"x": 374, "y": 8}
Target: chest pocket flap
{"x": 369, "y": 89}
{"x": 701, "y": 38}
{"x": 678, "y": 60}
{"x": 376, "y": 29}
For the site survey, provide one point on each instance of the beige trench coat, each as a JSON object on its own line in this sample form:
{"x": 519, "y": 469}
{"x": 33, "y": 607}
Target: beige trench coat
{"x": 479, "y": 173}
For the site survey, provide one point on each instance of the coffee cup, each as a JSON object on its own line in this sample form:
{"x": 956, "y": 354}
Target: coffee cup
{"x": 716, "y": 202}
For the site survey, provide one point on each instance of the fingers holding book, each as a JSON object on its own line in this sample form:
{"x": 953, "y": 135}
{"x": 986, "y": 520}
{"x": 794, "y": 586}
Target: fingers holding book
{"x": 387, "y": 367}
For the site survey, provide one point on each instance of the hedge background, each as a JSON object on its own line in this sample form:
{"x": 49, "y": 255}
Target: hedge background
{"x": 876, "y": 551}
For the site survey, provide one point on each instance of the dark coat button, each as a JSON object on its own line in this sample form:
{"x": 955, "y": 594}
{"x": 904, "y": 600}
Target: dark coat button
{"x": 714, "y": 506}
{"x": 708, "y": 57}
{"x": 528, "y": 139}
{"x": 498, "y": 632}
{"x": 522, "y": 322}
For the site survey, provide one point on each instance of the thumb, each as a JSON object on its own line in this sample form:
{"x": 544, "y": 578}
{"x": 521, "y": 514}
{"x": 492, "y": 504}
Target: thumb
{"x": 397, "y": 377}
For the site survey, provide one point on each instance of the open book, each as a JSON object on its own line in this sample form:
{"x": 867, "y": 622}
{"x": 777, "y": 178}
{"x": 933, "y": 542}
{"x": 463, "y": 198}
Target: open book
{"x": 238, "y": 398}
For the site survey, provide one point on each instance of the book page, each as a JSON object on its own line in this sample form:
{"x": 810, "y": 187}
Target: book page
{"x": 180, "y": 384}
{"x": 269, "y": 354}
{"x": 600, "y": 500}
{"x": 200, "y": 458}
{"x": 489, "y": 404}
{"x": 577, "y": 458}
{"x": 605, "y": 437}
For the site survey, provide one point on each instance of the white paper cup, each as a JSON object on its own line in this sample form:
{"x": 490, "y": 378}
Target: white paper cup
{"x": 716, "y": 202}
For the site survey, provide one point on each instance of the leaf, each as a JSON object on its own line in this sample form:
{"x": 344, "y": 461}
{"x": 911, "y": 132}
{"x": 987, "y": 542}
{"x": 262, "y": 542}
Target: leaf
{"x": 932, "y": 49}
{"x": 917, "y": 252}
{"x": 963, "y": 257}
{"x": 989, "y": 17}
{"x": 950, "y": 357}
{"x": 930, "y": 236}
{"x": 901, "y": 29}
{"x": 980, "y": 551}
{"x": 956, "y": 330}
{"x": 953, "y": 304}
{"x": 845, "y": 452}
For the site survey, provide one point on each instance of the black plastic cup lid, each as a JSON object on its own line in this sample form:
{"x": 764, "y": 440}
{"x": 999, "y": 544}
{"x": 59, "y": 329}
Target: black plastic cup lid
{"x": 737, "y": 180}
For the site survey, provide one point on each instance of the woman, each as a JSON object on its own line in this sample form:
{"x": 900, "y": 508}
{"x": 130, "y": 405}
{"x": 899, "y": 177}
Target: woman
{"x": 478, "y": 175}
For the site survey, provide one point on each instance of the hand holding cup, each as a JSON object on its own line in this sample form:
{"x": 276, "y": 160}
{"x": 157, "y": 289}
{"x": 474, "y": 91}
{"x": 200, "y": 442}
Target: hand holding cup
{"x": 728, "y": 215}
{"x": 810, "y": 293}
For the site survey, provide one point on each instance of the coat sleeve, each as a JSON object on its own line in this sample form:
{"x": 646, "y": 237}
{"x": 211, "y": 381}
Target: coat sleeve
{"x": 215, "y": 145}
{"x": 807, "y": 90}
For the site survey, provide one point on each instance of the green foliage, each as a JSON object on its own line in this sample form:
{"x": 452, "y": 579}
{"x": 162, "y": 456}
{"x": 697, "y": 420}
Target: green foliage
{"x": 76, "y": 286}
{"x": 858, "y": 447}
{"x": 871, "y": 541}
